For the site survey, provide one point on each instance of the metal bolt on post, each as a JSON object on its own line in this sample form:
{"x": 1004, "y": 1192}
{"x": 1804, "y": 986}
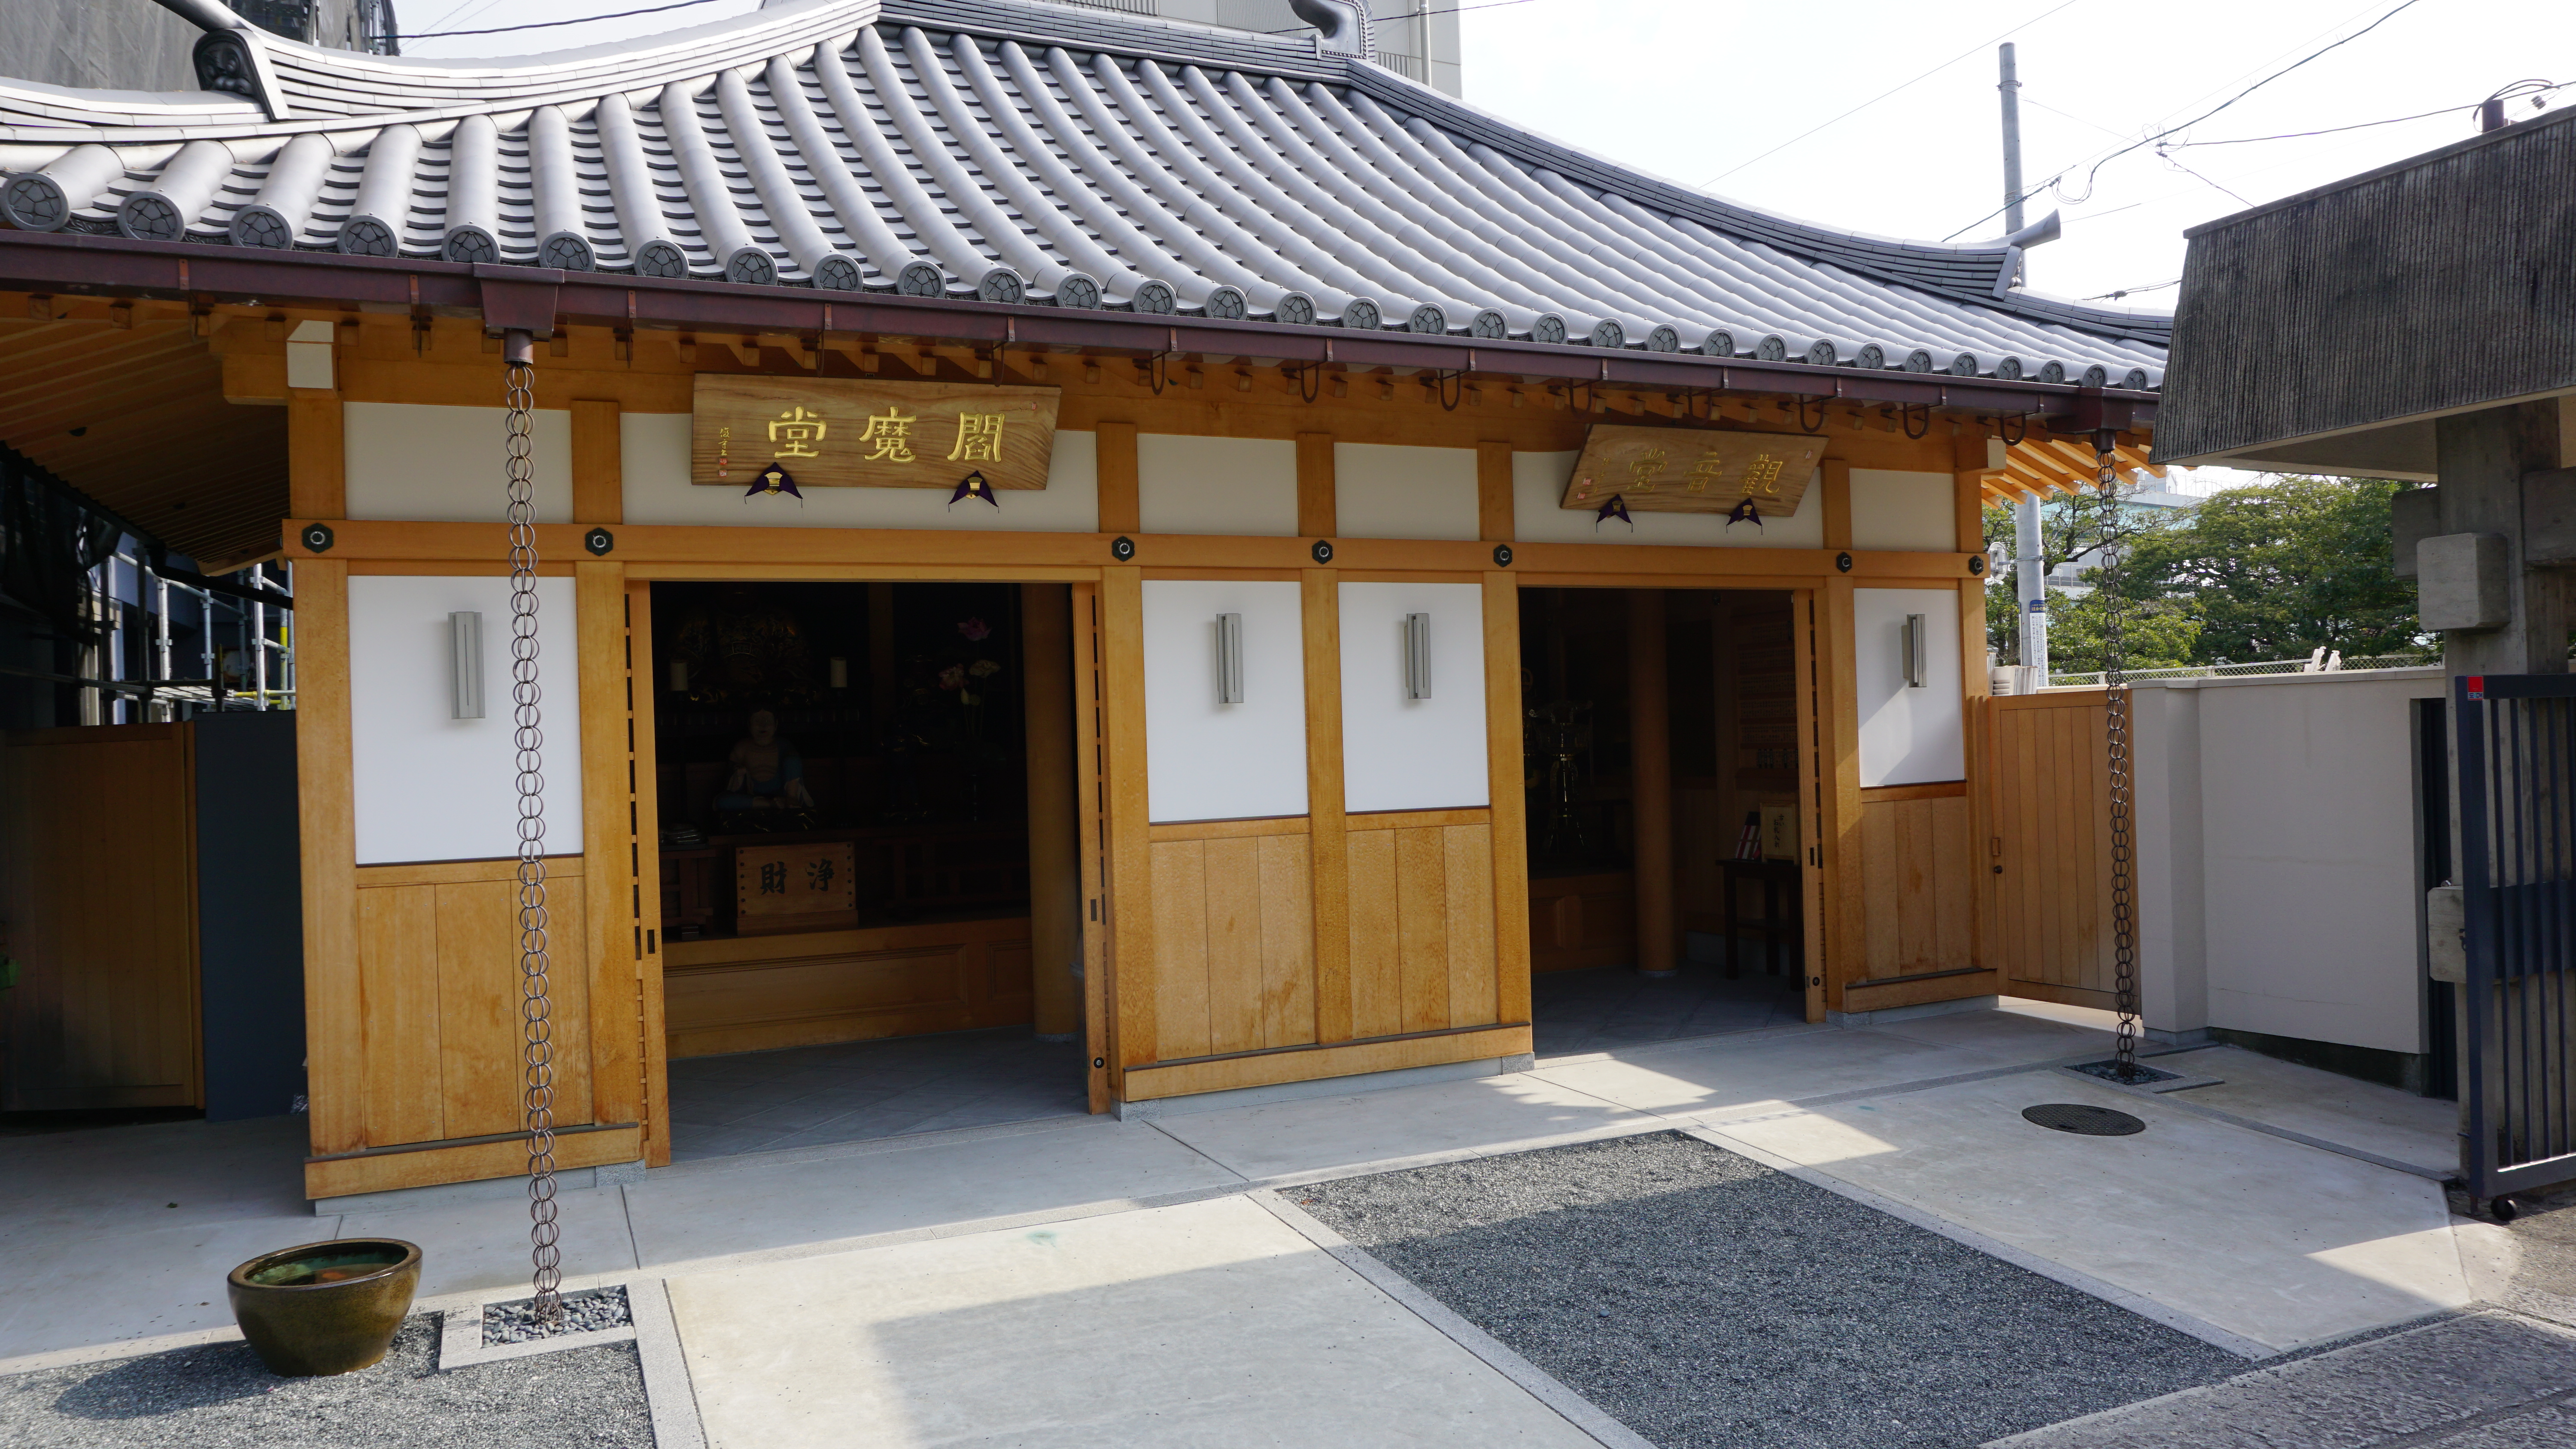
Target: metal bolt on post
{"x": 518, "y": 352}
{"x": 2115, "y": 681}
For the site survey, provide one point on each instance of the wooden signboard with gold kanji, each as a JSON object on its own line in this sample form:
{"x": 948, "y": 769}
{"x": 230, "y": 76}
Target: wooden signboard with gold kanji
{"x": 862, "y": 433}
{"x": 1692, "y": 470}
{"x": 808, "y": 886}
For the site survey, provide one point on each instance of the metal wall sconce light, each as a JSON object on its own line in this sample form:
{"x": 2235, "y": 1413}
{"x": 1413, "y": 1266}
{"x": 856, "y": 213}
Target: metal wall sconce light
{"x": 840, "y": 672}
{"x": 465, "y": 663}
{"x": 1417, "y": 656}
{"x": 679, "y": 676}
{"x": 1229, "y": 659}
{"x": 1918, "y": 666}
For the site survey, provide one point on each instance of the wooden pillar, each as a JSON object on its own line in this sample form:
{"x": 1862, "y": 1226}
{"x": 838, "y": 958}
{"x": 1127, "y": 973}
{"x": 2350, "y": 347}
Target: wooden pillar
{"x": 881, "y": 661}
{"x": 1510, "y": 807}
{"x": 1121, "y": 507}
{"x": 1131, "y": 873}
{"x": 1055, "y": 875}
{"x": 1650, "y": 777}
{"x": 1327, "y": 825}
{"x": 1318, "y": 503}
{"x": 598, "y": 463}
{"x": 609, "y": 891}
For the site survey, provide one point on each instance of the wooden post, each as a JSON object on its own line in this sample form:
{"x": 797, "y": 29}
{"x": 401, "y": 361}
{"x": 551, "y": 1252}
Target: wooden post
{"x": 882, "y": 678}
{"x": 1131, "y": 866}
{"x": 1494, "y": 521}
{"x": 644, "y": 818}
{"x": 1121, "y": 507}
{"x": 608, "y": 891}
{"x": 598, "y": 463}
{"x": 335, "y": 1009}
{"x": 1510, "y": 807}
{"x": 1318, "y": 505}
{"x": 1055, "y": 875}
{"x": 1327, "y": 826}
{"x": 1838, "y": 693}
{"x": 1650, "y": 780}
{"x": 317, "y": 460}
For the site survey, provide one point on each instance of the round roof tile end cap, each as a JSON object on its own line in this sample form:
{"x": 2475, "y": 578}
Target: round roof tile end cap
{"x": 1155, "y": 297}
{"x": 918, "y": 279}
{"x": 1078, "y": 290}
{"x": 1665, "y": 337}
{"x": 567, "y": 251}
{"x": 1295, "y": 309}
{"x": 34, "y": 202}
{"x": 1003, "y": 285}
{"x": 1361, "y": 314}
{"x": 360, "y": 236}
{"x": 1429, "y": 320}
{"x": 469, "y": 243}
{"x": 1489, "y": 325}
{"x": 751, "y": 267}
{"x": 1607, "y": 333}
{"x": 838, "y": 273}
{"x": 1548, "y": 327}
{"x": 1227, "y": 304}
{"x": 661, "y": 258}
{"x": 260, "y": 226}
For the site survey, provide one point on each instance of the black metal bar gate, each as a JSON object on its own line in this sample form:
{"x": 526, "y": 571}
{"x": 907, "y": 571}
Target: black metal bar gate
{"x": 2517, "y": 804}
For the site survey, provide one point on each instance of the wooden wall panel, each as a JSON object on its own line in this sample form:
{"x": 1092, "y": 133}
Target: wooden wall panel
{"x": 398, "y": 982}
{"x": 2047, "y": 779}
{"x": 1422, "y": 929}
{"x": 438, "y": 973}
{"x": 102, "y": 922}
{"x": 1914, "y": 865}
{"x": 1233, "y": 945}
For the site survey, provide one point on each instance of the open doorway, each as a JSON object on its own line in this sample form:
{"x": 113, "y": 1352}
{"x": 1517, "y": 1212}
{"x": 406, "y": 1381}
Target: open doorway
{"x": 842, "y": 775}
{"x": 1661, "y": 760}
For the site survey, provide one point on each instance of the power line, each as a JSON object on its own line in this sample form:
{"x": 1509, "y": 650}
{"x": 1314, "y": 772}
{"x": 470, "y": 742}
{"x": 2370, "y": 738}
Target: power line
{"x": 2539, "y": 88}
{"x": 2096, "y": 170}
{"x": 2129, "y": 291}
{"x": 551, "y": 24}
{"x": 1883, "y": 95}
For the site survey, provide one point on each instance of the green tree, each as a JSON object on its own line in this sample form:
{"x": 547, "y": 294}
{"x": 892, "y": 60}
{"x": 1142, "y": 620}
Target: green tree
{"x": 2284, "y": 568}
{"x": 2274, "y": 571}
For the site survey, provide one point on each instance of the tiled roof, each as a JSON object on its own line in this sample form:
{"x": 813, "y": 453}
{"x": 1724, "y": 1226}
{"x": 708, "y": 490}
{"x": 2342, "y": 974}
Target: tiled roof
{"x": 1018, "y": 151}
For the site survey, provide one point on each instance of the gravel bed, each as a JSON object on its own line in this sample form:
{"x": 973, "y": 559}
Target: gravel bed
{"x": 1705, "y": 1300}
{"x": 219, "y": 1396}
{"x": 516, "y": 1321}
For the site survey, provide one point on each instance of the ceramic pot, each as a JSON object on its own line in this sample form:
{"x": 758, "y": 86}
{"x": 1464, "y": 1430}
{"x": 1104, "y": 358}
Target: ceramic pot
{"x": 325, "y": 1308}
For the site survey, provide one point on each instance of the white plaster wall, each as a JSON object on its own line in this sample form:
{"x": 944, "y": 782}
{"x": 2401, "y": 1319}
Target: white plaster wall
{"x": 1413, "y": 754}
{"x": 2172, "y": 916}
{"x": 1216, "y": 485}
{"x": 655, "y": 456}
{"x": 1383, "y": 490}
{"x": 1917, "y": 511}
{"x": 2307, "y": 840}
{"x": 432, "y": 787}
{"x": 445, "y": 464}
{"x": 1908, "y": 734}
{"x": 1211, "y": 761}
{"x": 1538, "y": 481}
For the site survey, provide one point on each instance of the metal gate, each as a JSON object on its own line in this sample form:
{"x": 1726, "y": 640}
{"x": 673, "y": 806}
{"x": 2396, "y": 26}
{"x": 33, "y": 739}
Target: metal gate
{"x": 2517, "y": 803}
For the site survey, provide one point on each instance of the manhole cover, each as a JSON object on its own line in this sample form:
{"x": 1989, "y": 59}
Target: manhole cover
{"x": 2077, "y": 1117}
{"x": 2139, "y": 1073}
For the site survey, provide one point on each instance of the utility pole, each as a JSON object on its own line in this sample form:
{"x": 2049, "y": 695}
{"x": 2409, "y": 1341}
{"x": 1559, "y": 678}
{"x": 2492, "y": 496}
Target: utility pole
{"x": 2030, "y": 562}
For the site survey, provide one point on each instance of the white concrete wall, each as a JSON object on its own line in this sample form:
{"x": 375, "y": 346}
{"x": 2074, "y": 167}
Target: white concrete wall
{"x": 1240, "y": 486}
{"x": 1538, "y": 482}
{"x": 1413, "y": 754}
{"x": 445, "y": 464}
{"x": 654, "y": 453}
{"x": 2276, "y": 832}
{"x": 1383, "y": 490}
{"x": 429, "y": 786}
{"x": 1210, "y": 761}
{"x": 1909, "y": 734}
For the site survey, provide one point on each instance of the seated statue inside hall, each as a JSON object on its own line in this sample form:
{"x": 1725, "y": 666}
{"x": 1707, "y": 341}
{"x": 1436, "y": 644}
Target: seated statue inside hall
{"x": 766, "y": 789}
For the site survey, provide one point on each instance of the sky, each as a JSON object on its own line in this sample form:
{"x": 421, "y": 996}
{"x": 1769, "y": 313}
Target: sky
{"x": 1882, "y": 116}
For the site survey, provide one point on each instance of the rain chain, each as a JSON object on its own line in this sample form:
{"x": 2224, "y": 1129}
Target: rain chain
{"x": 2115, "y": 710}
{"x": 519, "y": 354}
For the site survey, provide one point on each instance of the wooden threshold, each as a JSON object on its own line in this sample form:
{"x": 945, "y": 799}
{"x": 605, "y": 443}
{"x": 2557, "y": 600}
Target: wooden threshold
{"x": 1315, "y": 1063}
{"x": 1930, "y": 790}
{"x": 474, "y": 1159}
{"x": 1919, "y": 989}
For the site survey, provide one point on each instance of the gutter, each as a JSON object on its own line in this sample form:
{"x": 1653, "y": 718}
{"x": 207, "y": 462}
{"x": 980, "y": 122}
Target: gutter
{"x": 540, "y": 300}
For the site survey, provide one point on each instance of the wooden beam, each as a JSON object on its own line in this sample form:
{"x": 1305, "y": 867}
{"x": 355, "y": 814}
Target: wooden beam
{"x": 1835, "y": 479}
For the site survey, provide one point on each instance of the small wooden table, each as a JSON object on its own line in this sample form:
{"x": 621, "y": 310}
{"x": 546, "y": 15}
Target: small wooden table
{"x": 1780, "y": 923}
